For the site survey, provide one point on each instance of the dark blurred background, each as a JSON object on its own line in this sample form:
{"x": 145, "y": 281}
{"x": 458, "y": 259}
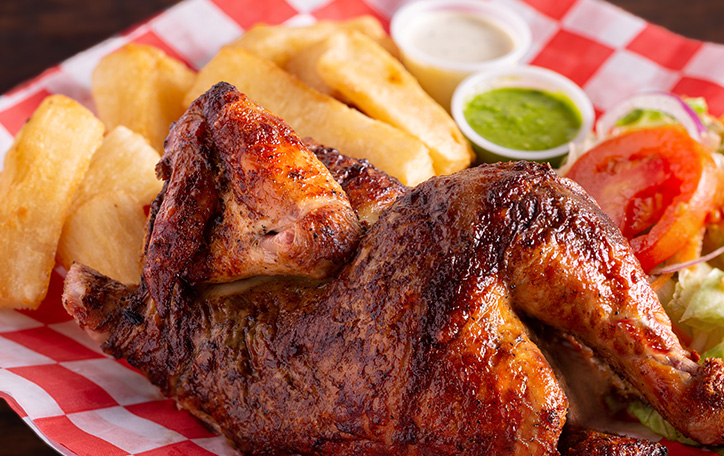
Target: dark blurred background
{"x": 38, "y": 34}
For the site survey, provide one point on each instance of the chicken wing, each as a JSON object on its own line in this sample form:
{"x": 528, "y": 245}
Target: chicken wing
{"x": 585, "y": 442}
{"x": 243, "y": 196}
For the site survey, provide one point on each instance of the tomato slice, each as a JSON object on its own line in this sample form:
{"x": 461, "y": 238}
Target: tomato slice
{"x": 656, "y": 184}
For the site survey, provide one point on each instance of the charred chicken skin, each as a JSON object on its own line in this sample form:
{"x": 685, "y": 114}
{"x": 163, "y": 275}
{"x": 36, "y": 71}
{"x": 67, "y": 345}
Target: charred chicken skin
{"x": 370, "y": 191}
{"x": 414, "y": 346}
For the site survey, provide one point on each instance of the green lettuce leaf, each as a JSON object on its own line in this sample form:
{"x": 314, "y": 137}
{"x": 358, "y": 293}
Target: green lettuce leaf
{"x": 698, "y": 305}
{"x": 648, "y": 118}
{"x": 652, "y": 420}
{"x": 717, "y": 351}
{"x": 644, "y": 118}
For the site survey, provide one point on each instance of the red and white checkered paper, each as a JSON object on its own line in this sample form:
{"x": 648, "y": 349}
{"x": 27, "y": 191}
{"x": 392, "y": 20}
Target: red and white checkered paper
{"x": 84, "y": 403}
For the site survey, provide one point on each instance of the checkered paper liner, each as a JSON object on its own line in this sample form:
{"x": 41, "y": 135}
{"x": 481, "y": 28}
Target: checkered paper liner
{"x": 82, "y": 402}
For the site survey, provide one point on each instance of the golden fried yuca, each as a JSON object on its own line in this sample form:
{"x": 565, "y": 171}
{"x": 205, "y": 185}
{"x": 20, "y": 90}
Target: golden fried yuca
{"x": 279, "y": 43}
{"x": 313, "y": 114}
{"x": 141, "y": 88}
{"x": 303, "y": 65}
{"x": 106, "y": 226}
{"x": 106, "y": 233}
{"x": 377, "y": 83}
{"x": 41, "y": 173}
{"x": 123, "y": 162}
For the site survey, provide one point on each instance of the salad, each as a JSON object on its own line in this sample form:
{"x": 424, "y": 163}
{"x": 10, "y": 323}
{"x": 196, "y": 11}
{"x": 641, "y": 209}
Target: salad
{"x": 655, "y": 165}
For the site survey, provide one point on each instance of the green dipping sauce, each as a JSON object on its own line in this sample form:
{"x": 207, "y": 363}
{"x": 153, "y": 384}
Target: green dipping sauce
{"x": 523, "y": 119}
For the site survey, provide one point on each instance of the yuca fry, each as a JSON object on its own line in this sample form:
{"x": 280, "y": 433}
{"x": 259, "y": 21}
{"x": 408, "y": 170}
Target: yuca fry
{"x": 106, "y": 233}
{"x": 279, "y": 43}
{"x": 313, "y": 114}
{"x": 124, "y": 161}
{"x": 304, "y": 66}
{"x": 141, "y": 88}
{"x": 106, "y": 227}
{"x": 42, "y": 171}
{"x": 378, "y": 84}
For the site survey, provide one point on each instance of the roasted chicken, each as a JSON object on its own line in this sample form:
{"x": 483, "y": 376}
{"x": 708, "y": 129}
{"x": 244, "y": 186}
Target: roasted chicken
{"x": 414, "y": 346}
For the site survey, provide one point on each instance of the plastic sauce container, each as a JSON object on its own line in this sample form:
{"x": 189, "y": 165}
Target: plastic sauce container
{"x": 444, "y": 41}
{"x": 496, "y": 110}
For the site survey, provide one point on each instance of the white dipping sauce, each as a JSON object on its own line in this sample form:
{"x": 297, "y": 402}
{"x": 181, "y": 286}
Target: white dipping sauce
{"x": 458, "y": 37}
{"x": 443, "y": 41}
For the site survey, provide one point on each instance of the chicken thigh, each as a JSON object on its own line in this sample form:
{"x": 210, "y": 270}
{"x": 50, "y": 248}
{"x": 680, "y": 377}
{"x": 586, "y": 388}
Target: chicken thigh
{"x": 573, "y": 270}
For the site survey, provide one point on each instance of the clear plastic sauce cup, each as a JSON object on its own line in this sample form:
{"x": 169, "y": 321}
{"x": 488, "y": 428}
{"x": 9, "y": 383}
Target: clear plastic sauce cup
{"x": 444, "y": 41}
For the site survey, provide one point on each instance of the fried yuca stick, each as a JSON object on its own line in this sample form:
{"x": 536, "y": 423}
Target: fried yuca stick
{"x": 142, "y": 88}
{"x": 105, "y": 227}
{"x": 377, "y": 83}
{"x": 313, "y": 114}
{"x": 123, "y": 162}
{"x": 42, "y": 171}
{"x": 304, "y": 66}
{"x": 105, "y": 232}
{"x": 280, "y": 42}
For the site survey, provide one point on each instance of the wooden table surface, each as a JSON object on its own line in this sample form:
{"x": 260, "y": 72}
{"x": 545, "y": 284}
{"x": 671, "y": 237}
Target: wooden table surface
{"x": 36, "y": 34}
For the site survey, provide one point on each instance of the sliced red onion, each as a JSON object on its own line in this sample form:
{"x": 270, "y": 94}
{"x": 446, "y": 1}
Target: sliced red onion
{"x": 665, "y": 102}
{"x": 679, "y": 266}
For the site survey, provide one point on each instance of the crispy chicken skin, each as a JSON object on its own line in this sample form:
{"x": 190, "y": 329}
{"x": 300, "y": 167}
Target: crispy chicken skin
{"x": 243, "y": 196}
{"x": 283, "y": 369}
{"x": 370, "y": 191}
{"x": 586, "y": 442}
{"x": 573, "y": 270}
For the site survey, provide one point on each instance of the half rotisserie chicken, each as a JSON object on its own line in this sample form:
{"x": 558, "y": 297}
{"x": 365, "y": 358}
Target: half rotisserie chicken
{"x": 414, "y": 346}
